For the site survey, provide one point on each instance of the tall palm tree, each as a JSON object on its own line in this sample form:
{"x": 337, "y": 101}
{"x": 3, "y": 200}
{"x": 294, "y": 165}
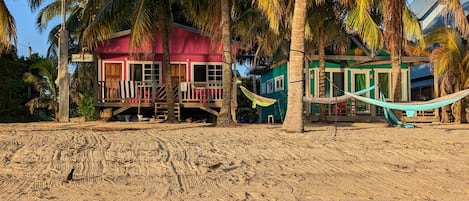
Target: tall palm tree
{"x": 214, "y": 17}
{"x": 7, "y": 27}
{"x": 394, "y": 15}
{"x": 44, "y": 83}
{"x": 294, "y": 117}
{"x": 324, "y": 26}
{"x": 451, "y": 62}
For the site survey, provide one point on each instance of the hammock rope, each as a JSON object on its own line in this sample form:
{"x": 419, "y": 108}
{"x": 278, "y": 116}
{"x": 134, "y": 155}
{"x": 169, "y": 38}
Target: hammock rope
{"x": 410, "y": 108}
{"x": 336, "y": 99}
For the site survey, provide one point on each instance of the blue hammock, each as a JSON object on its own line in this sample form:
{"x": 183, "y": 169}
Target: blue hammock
{"x": 337, "y": 99}
{"x": 410, "y": 108}
{"x": 391, "y": 118}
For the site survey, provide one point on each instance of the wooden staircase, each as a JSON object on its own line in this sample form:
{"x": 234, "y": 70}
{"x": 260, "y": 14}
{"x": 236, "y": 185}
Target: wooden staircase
{"x": 161, "y": 111}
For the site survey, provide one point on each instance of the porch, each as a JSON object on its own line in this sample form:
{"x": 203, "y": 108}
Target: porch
{"x": 123, "y": 94}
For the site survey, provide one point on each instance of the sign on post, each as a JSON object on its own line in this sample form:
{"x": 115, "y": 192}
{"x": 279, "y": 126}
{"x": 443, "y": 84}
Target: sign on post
{"x": 82, "y": 57}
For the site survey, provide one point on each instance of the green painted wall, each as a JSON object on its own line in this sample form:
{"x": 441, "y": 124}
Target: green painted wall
{"x": 279, "y": 109}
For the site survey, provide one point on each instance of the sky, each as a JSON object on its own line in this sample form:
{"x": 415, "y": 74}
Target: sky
{"x": 27, "y": 32}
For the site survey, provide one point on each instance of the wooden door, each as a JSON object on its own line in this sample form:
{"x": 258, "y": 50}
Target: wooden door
{"x": 178, "y": 73}
{"x": 112, "y": 75}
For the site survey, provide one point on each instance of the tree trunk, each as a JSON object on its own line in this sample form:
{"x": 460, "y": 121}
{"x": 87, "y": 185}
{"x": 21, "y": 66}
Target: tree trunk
{"x": 393, "y": 35}
{"x": 322, "y": 74}
{"x": 457, "y": 108}
{"x": 63, "y": 78}
{"x": 224, "y": 117}
{"x": 163, "y": 20}
{"x": 445, "y": 89}
{"x": 294, "y": 117}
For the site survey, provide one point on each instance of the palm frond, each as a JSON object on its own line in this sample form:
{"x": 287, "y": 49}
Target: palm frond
{"x": 48, "y": 13}
{"x": 360, "y": 20}
{"x": 7, "y": 27}
{"x": 455, "y": 11}
{"x": 143, "y": 25}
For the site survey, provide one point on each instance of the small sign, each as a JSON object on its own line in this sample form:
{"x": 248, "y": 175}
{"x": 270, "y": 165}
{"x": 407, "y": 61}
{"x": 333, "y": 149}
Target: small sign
{"x": 82, "y": 57}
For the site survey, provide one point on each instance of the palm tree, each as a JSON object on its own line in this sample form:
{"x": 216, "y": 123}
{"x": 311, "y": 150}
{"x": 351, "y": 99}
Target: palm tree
{"x": 324, "y": 26}
{"x": 7, "y": 27}
{"x": 44, "y": 83}
{"x": 294, "y": 117}
{"x": 394, "y": 15}
{"x": 214, "y": 17}
{"x": 451, "y": 62}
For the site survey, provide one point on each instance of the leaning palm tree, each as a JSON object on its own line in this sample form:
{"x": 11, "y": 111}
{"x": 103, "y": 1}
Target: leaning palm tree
{"x": 451, "y": 62}
{"x": 7, "y": 27}
{"x": 44, "y": 83}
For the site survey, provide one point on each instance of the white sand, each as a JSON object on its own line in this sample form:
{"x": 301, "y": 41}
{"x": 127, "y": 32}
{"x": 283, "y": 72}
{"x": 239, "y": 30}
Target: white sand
{"x": 150, "y": 161}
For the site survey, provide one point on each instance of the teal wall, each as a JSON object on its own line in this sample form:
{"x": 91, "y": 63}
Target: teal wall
{"x": 279, "y": 109}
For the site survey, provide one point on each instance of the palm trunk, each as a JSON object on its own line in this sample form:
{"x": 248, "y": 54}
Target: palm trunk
{"x": 457, "y": 108}
{"x": 164, "y": 31}
{"x": 393, "y": 35}
{"x": 322, "y": 74}
{"x": 224, "y": 117}
{"x": 294, "y": 117}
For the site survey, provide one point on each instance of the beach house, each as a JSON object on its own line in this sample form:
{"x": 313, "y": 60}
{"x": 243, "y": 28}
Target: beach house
{"x": 132, "y": 80}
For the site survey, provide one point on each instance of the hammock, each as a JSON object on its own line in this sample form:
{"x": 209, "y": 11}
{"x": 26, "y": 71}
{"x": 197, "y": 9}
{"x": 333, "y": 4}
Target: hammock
{"x": 256, "y": 99}
{"x": 391, "y": 118}
{"x": 337, "y": 99}
{"x": 410, "y": 108}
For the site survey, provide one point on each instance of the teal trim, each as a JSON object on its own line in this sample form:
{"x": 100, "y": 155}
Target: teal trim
{"x": 349, "y": 77}
{"x": 372, "y": 82}
{"x": 312, "y": 83}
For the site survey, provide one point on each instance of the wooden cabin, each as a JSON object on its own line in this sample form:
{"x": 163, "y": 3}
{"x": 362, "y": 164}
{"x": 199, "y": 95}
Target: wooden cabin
{"x": 134, "y": 81}
{"x": 349, "y": 73}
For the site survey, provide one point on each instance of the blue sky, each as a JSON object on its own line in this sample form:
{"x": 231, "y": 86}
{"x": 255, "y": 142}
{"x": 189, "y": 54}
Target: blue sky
{"x": 28, "y": 34}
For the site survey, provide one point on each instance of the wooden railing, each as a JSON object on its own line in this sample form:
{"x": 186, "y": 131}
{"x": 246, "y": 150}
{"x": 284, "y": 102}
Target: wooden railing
{"x": 118, "y": 91}
{"x": 202, "y": 92}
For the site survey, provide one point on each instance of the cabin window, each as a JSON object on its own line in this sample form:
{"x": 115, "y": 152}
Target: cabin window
{"x": 145, "y": 72}
{"x": 270, "y": 86}
{"x": 360, "y": 82}
{"x": 337, "y": 86}
{"x": 208, "y": 73}
{"x": 263, "y": 88}
{"x": 383, "y": 81}
{"x": 279, "y": 83}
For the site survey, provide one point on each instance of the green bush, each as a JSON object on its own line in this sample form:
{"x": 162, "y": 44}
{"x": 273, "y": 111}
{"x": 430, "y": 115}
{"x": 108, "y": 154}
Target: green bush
{"x": 86, "y": 107}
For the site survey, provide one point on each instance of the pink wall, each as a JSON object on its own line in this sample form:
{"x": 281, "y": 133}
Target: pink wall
{"x": 186, "y": 45}
{"x": 183, "y": 40}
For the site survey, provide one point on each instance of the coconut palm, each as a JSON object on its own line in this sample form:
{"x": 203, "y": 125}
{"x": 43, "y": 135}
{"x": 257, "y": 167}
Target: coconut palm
{"x": 324, "y": 27}
{"x": 394, "y": 15}
{"x": 214, "y": 17}
{"x": 451, "y": 62}
{"x": 294, "y": 117}
{"x": 7, "y": 27}
{"x": 44, "y": 83}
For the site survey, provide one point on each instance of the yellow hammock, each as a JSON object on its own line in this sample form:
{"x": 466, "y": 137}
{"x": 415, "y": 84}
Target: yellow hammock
{"x": 256, "y": 99}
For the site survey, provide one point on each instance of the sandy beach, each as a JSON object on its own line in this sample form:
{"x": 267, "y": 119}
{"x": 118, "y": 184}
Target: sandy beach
{"x": 153, "y": 161}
